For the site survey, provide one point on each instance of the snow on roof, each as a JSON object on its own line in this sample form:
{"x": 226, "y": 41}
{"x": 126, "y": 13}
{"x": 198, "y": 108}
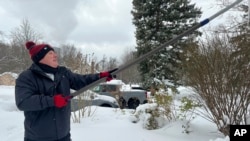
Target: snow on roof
{"x": 14, "y": 75}
{"x": 90, "y": 95}
{"x": 135, "y": 85}
{"x": 124, "y": 87}
{"x": 116, "y": 81}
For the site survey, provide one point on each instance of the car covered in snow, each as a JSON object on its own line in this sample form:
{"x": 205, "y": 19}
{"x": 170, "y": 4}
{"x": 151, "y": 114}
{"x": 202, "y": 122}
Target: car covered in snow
{"x": 90, "y": 98}
{"x": 126, "y": 96}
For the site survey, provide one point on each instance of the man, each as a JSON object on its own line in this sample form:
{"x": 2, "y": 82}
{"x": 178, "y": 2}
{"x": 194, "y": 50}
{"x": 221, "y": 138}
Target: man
{"x": 43, "y": 93}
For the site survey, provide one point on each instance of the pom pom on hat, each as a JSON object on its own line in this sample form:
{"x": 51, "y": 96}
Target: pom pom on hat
{"x": 37, "y": 51}
{"x": 29, "y": 45}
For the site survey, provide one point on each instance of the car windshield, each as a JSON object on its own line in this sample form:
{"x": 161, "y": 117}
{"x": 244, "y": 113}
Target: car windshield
{"x": 108, "y": 88}
{"x": 96, "y": 89}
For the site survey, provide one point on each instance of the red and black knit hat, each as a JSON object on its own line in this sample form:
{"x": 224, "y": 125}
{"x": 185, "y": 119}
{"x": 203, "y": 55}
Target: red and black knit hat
{"x": 37, "y": 52}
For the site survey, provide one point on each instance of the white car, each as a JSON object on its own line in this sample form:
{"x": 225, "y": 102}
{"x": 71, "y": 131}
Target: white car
{"x": 90, "y": 98}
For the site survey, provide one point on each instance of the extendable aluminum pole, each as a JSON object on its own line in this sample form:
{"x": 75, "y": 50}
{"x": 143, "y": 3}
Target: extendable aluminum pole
{"x": 143, "y": 57}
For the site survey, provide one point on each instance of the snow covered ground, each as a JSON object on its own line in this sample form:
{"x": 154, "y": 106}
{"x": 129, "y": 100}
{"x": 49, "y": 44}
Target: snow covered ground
{"x": 108, "y": 124}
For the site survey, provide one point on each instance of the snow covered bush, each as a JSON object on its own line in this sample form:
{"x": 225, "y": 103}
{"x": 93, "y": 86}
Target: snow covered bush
{"x": 149, "y": 115}
{"x": 157, "y": 112}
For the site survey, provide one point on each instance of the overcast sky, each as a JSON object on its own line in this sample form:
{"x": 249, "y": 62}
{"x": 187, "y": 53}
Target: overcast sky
{"x": 97, "y": 26}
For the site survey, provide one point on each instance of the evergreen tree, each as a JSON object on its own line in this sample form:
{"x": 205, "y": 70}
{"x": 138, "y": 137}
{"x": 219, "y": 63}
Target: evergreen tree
{"x": 158, "y": 21}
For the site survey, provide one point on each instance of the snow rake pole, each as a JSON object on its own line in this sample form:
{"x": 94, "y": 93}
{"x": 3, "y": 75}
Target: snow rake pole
{"x": 143, "y": 57}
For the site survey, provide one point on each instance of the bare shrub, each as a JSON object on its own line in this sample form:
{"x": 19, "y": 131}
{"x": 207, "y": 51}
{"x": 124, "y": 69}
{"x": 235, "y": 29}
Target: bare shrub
{"x": 82, "y": 105}
{"x": 165, "y": 102}
{"x": 220, "y": 75}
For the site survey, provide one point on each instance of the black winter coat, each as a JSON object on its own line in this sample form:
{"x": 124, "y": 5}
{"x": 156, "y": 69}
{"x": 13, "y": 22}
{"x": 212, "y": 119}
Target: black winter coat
{"x": 34, "y": 93}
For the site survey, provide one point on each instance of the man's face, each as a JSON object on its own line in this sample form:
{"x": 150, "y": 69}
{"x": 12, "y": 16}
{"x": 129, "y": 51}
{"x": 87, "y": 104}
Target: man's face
{"x": 50, "y": 59}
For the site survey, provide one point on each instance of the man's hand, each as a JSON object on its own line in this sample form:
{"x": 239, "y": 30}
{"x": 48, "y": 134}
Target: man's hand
{"x": 61, "y": 101}
{"x": 107, "y": 74}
